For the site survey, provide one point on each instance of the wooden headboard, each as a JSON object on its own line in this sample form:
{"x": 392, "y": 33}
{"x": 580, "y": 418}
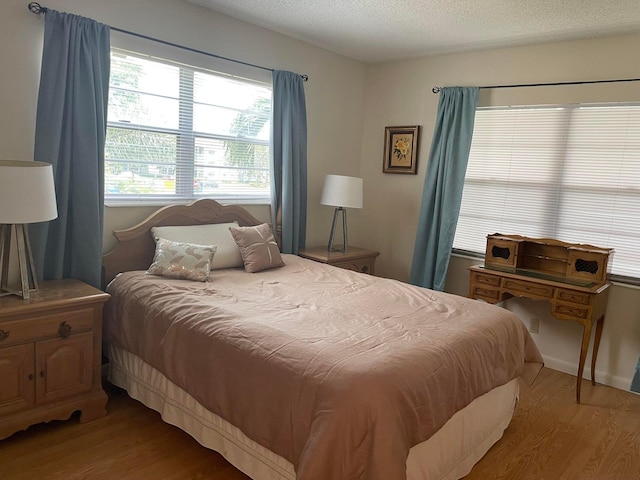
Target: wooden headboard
{"x": 136, "y": 247}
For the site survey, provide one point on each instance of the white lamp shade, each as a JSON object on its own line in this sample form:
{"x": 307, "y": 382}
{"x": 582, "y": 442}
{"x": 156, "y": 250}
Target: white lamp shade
{"x": 341, "y": 191}
{"x": 27, "y": 192}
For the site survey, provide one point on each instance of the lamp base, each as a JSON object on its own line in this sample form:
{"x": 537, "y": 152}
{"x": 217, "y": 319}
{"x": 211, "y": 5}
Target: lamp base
{"x": 345, "y": 244}
{"x": 28, "y": 278}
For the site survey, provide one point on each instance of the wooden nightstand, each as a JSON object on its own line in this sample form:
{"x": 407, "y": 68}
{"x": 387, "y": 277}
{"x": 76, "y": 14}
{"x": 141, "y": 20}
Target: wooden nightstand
{"x": 50, "y": 355}
{"x": 356, "y": 259}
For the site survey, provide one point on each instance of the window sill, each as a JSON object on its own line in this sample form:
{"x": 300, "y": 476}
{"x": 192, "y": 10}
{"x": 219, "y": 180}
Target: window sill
{"x": 162, "y": 202}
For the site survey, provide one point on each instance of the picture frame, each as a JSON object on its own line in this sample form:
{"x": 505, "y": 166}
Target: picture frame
{"x": 401, "y": 149}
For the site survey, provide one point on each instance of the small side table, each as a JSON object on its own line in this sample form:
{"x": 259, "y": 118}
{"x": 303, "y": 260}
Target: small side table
{"x": 50, "y": 355}
{"x": 356, "y": 259}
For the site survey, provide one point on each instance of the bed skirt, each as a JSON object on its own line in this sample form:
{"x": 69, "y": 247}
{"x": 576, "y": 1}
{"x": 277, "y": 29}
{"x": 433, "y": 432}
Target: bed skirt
{"x": 449, "y": 454}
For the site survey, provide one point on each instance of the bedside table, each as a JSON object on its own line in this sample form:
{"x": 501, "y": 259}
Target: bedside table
{"x": 50, "y": 355}
{"x": 356, "y": 259}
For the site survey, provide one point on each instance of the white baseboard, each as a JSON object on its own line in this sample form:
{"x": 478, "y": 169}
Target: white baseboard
{"x": 604, "y": 378}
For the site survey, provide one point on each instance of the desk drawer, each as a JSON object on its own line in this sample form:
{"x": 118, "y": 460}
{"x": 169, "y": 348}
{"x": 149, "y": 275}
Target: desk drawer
{"x": 487, "y": 294}
{"x": 528, "y": 288}
{"x": 571, "y": 310}
{"x": 491, "y": 280}
{"x": 573, "y": 296}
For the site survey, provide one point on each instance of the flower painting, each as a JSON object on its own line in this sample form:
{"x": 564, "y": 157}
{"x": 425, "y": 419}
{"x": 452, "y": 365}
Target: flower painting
{"x": 401, "y": 148}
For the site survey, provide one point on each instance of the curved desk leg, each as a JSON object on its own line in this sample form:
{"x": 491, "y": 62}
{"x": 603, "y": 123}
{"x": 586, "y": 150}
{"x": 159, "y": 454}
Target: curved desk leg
{"x": 586, "y": 336}
{"x": 596, "y": 345}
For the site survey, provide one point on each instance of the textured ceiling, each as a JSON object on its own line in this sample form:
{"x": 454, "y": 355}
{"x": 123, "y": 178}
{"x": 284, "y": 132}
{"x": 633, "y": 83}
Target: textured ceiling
{"x": 382, "y": 30}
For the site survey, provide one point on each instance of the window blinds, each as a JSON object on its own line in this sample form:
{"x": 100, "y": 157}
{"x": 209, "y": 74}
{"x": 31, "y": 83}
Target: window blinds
{"x": 569, "y": 172}
{"x": 175, "y": 131}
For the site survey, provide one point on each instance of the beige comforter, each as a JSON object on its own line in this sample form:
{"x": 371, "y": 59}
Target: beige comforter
{"x": 340, "y": 373}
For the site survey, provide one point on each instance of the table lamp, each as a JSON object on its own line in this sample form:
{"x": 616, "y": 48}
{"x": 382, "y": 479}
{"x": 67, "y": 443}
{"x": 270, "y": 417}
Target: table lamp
{"x": 341, "y": 192}
{"x": 27, "y": 195}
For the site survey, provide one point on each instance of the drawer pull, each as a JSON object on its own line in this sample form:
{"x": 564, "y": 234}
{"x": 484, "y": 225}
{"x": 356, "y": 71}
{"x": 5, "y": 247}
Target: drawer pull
{"x": 4, "y": 334}
{"x": 30, "y": 377}
{"x": 42, "y": 373}
{"x": 65, "y": 329}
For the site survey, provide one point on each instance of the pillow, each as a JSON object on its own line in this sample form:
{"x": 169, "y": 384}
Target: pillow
{"x": 182, "y": 260}
{"x": 258, "y": 247}
{"x": 227, "y": 255}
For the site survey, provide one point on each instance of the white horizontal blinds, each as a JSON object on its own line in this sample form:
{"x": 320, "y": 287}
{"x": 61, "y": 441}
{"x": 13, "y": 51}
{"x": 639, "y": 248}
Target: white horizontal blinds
{"x": 568, "y": 172}
{"x": 233, "y": 121}
{"x": 511, "y": 184}
{"x": 142, "y": 132}
{"x": 175, "y": 131}
{"x": 602, "y": 182}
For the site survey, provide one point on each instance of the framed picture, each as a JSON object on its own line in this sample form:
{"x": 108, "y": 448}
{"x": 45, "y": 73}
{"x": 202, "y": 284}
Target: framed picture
{"x": 401, "y": 150}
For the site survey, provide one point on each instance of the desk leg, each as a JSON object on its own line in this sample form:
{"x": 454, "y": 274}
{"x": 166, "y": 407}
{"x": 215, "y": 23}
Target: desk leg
{"x": 586, "y": 336}
{"x": 596, "y": 346}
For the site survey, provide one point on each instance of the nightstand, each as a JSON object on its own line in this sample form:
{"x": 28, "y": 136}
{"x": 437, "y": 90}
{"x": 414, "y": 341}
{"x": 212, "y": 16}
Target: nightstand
{"x": 356, "y": 259}
{"x": 50, "y": 355}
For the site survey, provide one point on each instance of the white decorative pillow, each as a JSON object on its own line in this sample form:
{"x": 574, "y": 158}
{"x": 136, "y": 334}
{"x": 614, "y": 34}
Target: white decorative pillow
{"x": 258, "y": 247}
{"x": 182, "y": 260}
{"x": 227, "y": 254}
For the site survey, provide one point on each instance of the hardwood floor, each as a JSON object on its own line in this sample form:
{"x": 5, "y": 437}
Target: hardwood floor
{"x": 550, "y": 438}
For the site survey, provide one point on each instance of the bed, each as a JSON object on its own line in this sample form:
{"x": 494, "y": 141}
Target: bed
{"x": 308, "y": 371}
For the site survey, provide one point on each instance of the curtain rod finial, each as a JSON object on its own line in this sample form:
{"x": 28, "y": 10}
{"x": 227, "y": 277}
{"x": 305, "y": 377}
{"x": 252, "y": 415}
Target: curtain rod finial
{"x": 35, "y": 7}
{"x": 436, "y": 89}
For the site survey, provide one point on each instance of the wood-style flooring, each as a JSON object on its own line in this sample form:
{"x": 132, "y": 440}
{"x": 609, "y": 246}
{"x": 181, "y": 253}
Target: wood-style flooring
{"x": 550, "y": 438}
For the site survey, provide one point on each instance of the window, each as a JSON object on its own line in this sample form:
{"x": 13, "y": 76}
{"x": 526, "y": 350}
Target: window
{"x": 565, "y": 172}
{"x": 176, "y": 132}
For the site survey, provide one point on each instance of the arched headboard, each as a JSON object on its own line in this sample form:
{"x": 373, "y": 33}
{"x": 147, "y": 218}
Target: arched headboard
{"x": 136, "y": 247}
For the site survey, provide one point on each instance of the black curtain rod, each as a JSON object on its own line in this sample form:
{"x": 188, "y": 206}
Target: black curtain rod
{"x": 35, "y": 7}
{"x": 437, "y": 89}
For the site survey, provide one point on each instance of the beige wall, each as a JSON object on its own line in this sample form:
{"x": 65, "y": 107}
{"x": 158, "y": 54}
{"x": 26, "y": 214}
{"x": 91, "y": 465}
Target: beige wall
{"x": 399, "y": 93}
{"x": 334, "y": 93}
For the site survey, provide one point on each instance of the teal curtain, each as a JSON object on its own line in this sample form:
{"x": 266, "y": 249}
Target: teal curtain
{"x": 289, "y": 160}
{"x": 70, "y": 134}
{"x": 443, "y": 186}
{"x": 635, "y": 382}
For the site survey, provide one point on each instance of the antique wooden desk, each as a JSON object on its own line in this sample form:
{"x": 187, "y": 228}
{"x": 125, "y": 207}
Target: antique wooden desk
{"x": 572, "y": 277}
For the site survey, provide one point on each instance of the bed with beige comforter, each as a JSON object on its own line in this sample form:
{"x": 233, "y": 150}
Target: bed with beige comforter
{"x": 338, "y": 372}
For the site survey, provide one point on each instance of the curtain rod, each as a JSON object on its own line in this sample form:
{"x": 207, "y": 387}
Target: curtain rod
{"x": 35, "y": 7}
{"x": 437, "y": 89}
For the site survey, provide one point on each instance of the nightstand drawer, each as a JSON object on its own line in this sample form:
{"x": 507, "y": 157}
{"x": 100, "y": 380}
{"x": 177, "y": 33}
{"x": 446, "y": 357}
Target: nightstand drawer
{"x": 39, "y": 328}
{"x": 362, "y": 265}
{"x": 355, "y": 258}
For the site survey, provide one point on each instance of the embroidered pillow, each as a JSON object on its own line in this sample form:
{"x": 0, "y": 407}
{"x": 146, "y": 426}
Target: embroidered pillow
{"x": 227, "y": 252}
{"x": 182, "y": 260}
{"x": 258, "y": 247}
